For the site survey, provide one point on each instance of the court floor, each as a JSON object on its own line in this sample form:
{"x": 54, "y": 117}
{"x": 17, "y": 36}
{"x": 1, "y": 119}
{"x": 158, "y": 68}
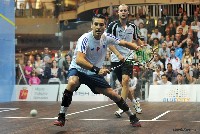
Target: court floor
{"x": 98, "y": 118}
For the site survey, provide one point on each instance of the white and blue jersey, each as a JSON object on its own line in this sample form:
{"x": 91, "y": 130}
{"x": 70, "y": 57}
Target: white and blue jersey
{"x": 95, "y": 50}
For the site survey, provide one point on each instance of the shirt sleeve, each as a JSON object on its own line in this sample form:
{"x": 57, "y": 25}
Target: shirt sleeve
{"x": 82, "y": 44}
{"x": 112, "y": 40}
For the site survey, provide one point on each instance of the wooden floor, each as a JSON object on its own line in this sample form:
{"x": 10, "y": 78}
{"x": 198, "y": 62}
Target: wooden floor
{"x": 98, "y": 118}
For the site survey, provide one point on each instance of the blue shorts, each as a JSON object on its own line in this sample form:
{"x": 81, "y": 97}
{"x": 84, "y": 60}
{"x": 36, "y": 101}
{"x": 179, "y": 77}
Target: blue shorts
{"x": 92, "y": 81}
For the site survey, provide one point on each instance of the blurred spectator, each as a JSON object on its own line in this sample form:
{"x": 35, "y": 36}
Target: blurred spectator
{"x": 178, "y": 39}
{"x": 59, "y": 59}
{"x": 54, "y": 71}
{"x": 164, "y": 52}
{"x": 195, "y": 17}
{"x": 179, "y": 80}
{"x": 175, "y": 61}
{"x": 184, "y": 26}
{"x": 71, "y": 51}
{"x": 66, "y": 64}
{"x": 168, "y": 33}
{"x": 187, "y": 57}
{"x": 156, "y": 34}
{"x": 141, "y": 13}
{"x": 157, "y": 73}
{"x": 143, "y": 31}
{"x": 172, "y": 30}
{"x": 34, "y": 80}
{"x": 161, "y": 27}
{"x": 138, "y": 20}
{"x": 187, "y": 74}
{"x": 186, "y": 19}
{"x": 178, "y": 50}
{"x": 165, "y": 16}
{"x": 179, "y": 14}
{"x": 171, "y": 74}
{"x": 190, "y": 46}
{"x": 27, "y": 70}
{"x": 39, "y": 67}
{"x": 168, "y": 41}
{"x": 156, "y": 44}
{"x": 196, "y": 72}
{"x": 46, "y": 57}
{"x": 150, "y": 24}
{"x": 163, "y": 81}
{"x": 155, "y": 62}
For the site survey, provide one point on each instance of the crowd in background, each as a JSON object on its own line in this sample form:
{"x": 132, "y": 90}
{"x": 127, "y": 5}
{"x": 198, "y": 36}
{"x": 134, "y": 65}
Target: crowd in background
{"x": 174, "y": 39}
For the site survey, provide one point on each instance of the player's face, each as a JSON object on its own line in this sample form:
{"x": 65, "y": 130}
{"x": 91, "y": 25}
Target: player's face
{"x": 123, "y": 12}
{"x": 98, "y": 27}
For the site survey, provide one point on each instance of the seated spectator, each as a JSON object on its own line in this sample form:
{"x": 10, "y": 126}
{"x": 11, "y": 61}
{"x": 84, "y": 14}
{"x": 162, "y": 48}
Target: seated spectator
{"x": 164, "y": 52}
{"x": 156, "y": 61}
{"x": 39, "y": 67}
{"x": 143, "y": 31}
{"x": 54, "y": 71}
{"x": 178, "y": 50}
{"x": 187, "y": 74}
{"x": 190, "y": 46}
{"x": 163, "y": 81}
{"x": 156, "y": 44}
{"x": 66, "y": 64}
{"x": 27, "y": 70}
{"x": 138, "y": 20}
{"x": 196, "y": 72}
{"x": 187, "y": 57}
{"x": 184, "y": 27}
{"x": 157, "y": 73}
{"x": 161, "y": 27}
{"x": 168, "y": 41}
{"x": 172, "y": 31}
{"x": 171, "y": 74}
{"x": 179, "y": 80}
{"x": 34, "y": 80}
{"x": 175, "y": 61}
{"x": 156, "y": 34}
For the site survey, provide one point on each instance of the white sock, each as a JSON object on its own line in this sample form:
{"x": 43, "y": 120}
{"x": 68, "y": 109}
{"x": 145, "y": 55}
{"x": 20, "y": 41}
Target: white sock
{"x": 134, "y": 101}
{"x": 63, "y": 109}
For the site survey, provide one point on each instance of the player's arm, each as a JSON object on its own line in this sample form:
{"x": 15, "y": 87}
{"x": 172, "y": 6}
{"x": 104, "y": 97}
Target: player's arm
{"x": 129, "y": 45}
{"x": 82, "y": 61}
{"x": 116, "y": 52}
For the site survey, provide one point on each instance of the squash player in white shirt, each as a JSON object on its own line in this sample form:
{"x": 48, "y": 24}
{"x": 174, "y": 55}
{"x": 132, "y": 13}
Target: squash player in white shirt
{"x": 86, "y": 68}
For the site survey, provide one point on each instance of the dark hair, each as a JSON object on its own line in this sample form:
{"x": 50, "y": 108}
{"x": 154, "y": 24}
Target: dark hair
{"x": 39, "y": 56}
{"x": 100, "y": 16}
{"x": 169, "y": 64}
{"x": 172, "y": 49}
{"x": 179, "y": 74}
{"x": 164, "y": 75}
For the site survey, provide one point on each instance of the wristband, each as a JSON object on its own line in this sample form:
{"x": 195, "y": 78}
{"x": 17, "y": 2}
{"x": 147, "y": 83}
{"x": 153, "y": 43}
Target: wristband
{"x": 95, "y": 69}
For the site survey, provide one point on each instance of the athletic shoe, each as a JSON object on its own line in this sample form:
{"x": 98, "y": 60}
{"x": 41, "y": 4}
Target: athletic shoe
{"x": 119, "y": 113}
{"x": 137, "y": 108}
{"x": 134, "y": 121}
{"x": 61, "y": 120}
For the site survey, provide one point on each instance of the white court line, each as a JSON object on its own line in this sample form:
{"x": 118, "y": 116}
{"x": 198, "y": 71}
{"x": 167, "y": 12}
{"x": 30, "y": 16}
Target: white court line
{"x": 10, "y": 108}
{"x": 160, "y": 115}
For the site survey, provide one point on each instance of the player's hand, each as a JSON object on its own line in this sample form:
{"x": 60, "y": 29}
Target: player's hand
{"x": 103, "y": 71}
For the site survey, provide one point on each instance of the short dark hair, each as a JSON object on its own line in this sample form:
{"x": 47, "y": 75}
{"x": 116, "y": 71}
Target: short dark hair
{"x": 164, "y": 75}
{"x": 100, "y": 16}
{"x": 172, "y": 49}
